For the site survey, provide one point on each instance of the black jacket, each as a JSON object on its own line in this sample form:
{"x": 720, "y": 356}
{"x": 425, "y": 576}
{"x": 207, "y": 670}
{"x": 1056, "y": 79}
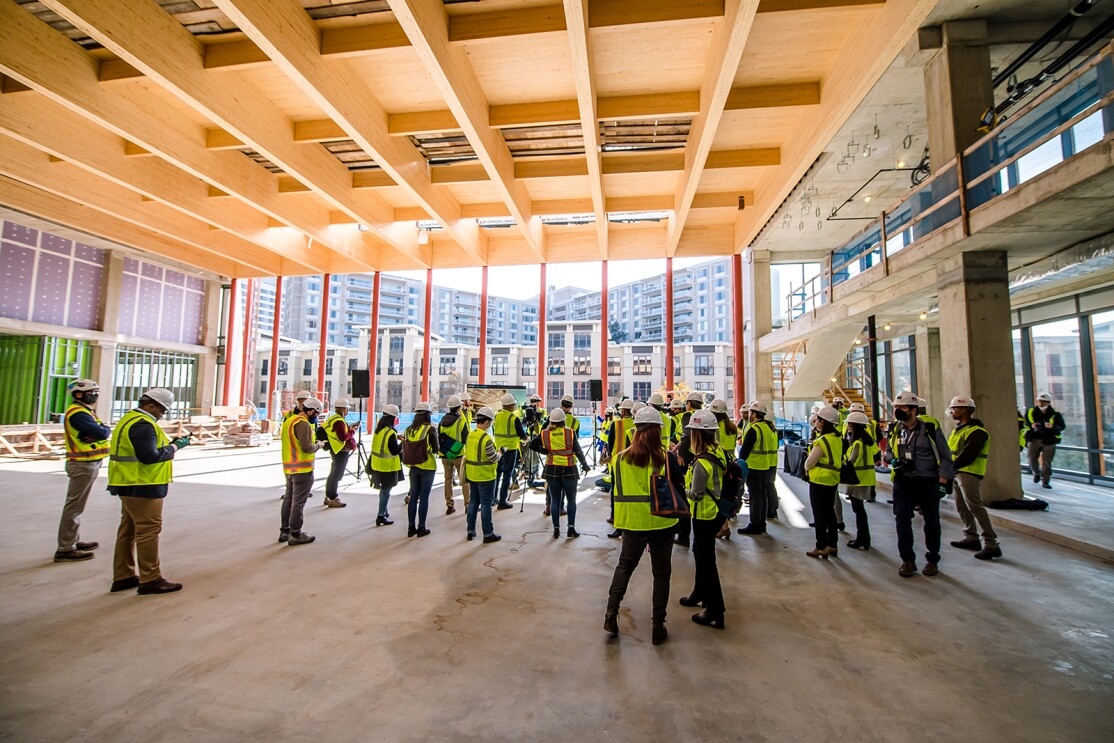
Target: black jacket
{"x": 1037, "y": 416}
{"x": 147, "y": 451}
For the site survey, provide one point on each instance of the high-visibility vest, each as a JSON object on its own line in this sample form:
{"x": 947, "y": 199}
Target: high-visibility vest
{"x": 678, "y": 427}
{"x": 864, "y": 463}
{"x": 764, "y": 454}
{"x": 727, "y": 441}
{"x": 124, "y": 467}
{"x": 476, "y": 466}
{"x": 706, "y": 509}
{"x": 381, "y": 458}
{"x": 336, "y": 443}
{"x": 294, "y": 460}
{"x": 631, "y": 486}
{"x": 76, "y": 449}
{"x": 503, "y": 429}
{"x": 958, "y": 440}
{"x": 826, "y": 472}
{"x": 621, "y": 434}
{"x": 558, "y": 446}
{"x": 454, "y": 432}
{"x": 571, "y": 421}
{"x": 421, "y": 433}
{"x": 1029, "y": 416}
{"x": 666, "y": 429}
{"x": 467, "y": 416}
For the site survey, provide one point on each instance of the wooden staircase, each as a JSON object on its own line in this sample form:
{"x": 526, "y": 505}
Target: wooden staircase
{"x": 851, "y": 395}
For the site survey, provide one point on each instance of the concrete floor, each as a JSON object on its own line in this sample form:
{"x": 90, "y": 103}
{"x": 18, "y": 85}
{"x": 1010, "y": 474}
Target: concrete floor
{"x": 366, "y": 635}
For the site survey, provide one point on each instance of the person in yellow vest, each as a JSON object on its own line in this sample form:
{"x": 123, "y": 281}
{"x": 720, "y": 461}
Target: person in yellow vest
{"x": 875, "y": 433}
{"x": 693, "y": 401}
{"x": 657, "y": 402}
{"x": 677, "y": 412}
{"x": 759, "y": 450}
{"x": 562, "y": 451}
{"x": 969, "y": 444}
{"x": 532, "y": 421}
{"x": 140, "y": 468}
{"x": 841, "y": 406}
{"x": 631, "y": 473}
{"x": 299, "y": 450}
{"x": 822, "y": 465}
{"x": 385, "y": 464}
{"x": 420, "y": 451}
{"x": 728, "y": 431}
{"x": 481, "y": 459}
{"x": 452, "y": 434}
{"x": 860, "y": 449}
{"x": 342, "y": 442}
{"x": 618, "y": 439}
{"x": 466, "y": 408}
{"x": 1044, "y": 429}
{"x": 299, "y": 398}
{"x": 703, "y": 484}
{"x": 86, "y": 447}
{"x": 509, "y": 434}
{"x": 922, "y": 413}
{"x": 571, "y": 421}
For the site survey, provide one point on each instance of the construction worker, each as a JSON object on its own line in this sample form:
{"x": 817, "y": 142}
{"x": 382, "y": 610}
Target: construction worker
{"x": 140, "y": 467}
{"x": 657, "y": 402}
{"x": 703, "y": 485}
{"x": 621, "y": 432}
{"x": 571, "y": 421}
{"x": 562, "y": 450}
{"x": 86, "y": 447}
{"x": 969, "y": 444}
{"x": 871, "y": 425}
{"x": 759, "y": 451}
{"x": 420, "y": 454}
{"x": 299, "y": 448}
{"x": 466, "y": 407}
{"x": 509, "y": 436}
{"x": 299, "y": 398}
{"x": 480, "y": 467}
{"x": 693, "y": 401}
{"x": 452, "y": 437}
{"x": 922, "y": 412}
{"x": 822, "y": 465}
{"x": 532, "y": 422}
{"x": 385, "y": 464}
{"x": 744, "y": 420}
{"x": 728, "y": 431}
{"x": 861, "y": 450}
{"x": 677, "y": 412}
{"x": 342, "y": 442}
{"x": 841, "y": 406}
{"x": 1044, "y": 425}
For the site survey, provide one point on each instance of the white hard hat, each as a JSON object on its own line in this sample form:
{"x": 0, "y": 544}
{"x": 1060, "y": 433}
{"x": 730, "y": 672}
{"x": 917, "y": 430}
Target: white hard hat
{"x": 857, "y": 407}
{"x": 507, "y": 399}
{"x": 656, "y": 399}
{"x": 837, "y": 401}
{"x": 676, "y": 404}
{"x": 857, "y": 417}
{"x": 959, "y": 401}
{"x": 815, "y": 409}
{"x": 391, "y": 410}
{"x": 485, "y": 412}
{"x": 535, "y": 398}
{"x": 694, "y": 397}
{"x": 647, "y": 416}
{"x": 162, "y": 396}
{"x": 828, "y": 413}
{"x": 905, "y": 397}
{"x": 423, "y": 407}
{"x": 1044, "y": 397}
{"x": 718, "y": 406}
{"x": 703, "y": 420}
{"x": 453, "y": 401}
{"x": 313, "y": 403}
{"x": 303, "y": 395}
{"x": 626, "y": 404}
{"x": 744, "y": 408}
{"x": 82, "y": 385}
{"x": 637, "y": 405}
{"x": 758, "y": 407}
{"x": 342, "y": 402}
{"x": 566, "y": 399}
{"x": 609, "y": 410}
{"x": 557, "y": 415}
{"x": 465, "y": 397}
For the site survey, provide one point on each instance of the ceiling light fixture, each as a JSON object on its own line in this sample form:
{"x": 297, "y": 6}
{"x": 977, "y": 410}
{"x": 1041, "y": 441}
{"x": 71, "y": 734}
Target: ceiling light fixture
{"x": 924, "y": 315}
{"x": 886, "y": 326}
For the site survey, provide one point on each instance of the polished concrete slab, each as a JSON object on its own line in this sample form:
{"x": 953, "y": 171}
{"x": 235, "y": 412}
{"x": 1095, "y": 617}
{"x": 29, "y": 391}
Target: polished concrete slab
{"x": 368, "y": 635}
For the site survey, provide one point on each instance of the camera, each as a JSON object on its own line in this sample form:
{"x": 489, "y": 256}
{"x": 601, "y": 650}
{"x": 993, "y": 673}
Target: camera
{"x": 903, "y": 468}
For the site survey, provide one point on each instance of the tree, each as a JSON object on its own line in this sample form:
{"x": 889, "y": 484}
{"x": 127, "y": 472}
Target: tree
{"x": 618, "y": 335}
{"x": 451, "y": 384}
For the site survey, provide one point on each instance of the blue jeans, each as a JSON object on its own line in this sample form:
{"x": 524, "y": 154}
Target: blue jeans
{"x": 483, "y": 495}
{"x": 505, "y": 473}
{"x": 421, "y": 483}
{"x": 558, "y": 488}
{"x": 384, "y": 496}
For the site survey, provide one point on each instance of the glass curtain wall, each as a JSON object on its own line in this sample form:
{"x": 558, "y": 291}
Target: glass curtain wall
{"x": 1057, "y": 371}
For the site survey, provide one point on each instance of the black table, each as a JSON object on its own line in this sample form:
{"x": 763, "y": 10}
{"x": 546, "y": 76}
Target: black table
{"x": 794, "y": 462}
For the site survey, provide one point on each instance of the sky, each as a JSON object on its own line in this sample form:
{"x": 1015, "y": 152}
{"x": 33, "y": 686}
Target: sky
{"x": 521, "y": 282}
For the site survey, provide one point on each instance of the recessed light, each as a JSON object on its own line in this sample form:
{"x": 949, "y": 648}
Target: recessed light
{"x": 867, "y": 200}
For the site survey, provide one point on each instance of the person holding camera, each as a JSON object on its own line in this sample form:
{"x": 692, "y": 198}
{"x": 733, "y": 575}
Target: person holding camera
{"x": 1045, "y": 424}
{"x": 922, "y": 471}
{"x": 299, "y": 449}
{"x": 562, "y": 450}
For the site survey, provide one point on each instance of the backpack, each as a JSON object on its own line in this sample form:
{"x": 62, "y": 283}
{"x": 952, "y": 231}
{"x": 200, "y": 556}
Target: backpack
{"x": 415, "y": 452}
{"x": 732, "y": 486}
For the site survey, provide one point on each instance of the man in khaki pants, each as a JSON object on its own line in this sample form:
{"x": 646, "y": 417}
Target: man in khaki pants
{"x": 86, "y": 447}
{"x": 453, "y": 432}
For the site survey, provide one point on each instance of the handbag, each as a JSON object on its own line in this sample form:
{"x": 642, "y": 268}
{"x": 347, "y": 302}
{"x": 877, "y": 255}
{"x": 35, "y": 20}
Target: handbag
{"x": 665, "y": 499}
{"x": 848, "y": 475}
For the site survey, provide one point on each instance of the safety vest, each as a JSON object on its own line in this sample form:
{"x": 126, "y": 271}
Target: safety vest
{"x": 605, "y": 428}
{"x": 842, "y": 425}
{"x": 336, "y": 443}
{"x": 706, "y": 509}
{"x": 454, "y": 432}
{"x": 764, "y": 454}
{"x": 294, "y": 460}
{"x": 124, "y": 467}
{"x": 678, "y": 427}
{"x": 631, "y": 486}
{"x": 1029, "y": 416}
{"x": 503, "y": 430}
{"x": 421, "y": 433}
{"x": 381, "y": 458}
{"x": 666, "y": 429}
{"x": 76, "y": 449}
{"x": 571, "y": 421}
{"x": 864, "y": 463}
{"x": 466, "y": 415}
{"x": 958, "y": 440}
{"x": 476, "y": 466}
{"x": 831, "y": 455}
{"x": 558, "y": 446}
{"x": 621, "y": 434}
{"x": 929, "y": 419}
{"x": 727, "y": 441}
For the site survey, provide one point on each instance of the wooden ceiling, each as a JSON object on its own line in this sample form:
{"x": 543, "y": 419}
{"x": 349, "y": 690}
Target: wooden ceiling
{"x": 268, "y": 137}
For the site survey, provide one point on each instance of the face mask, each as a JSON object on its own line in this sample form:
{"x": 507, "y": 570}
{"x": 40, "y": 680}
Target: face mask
{"x": 1043, "y": 403}
{"x": 91, "y": 398}
{"x": 901, "y": 415}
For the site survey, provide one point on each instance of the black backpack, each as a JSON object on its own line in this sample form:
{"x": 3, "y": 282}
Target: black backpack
{"x": 731, "y": 488}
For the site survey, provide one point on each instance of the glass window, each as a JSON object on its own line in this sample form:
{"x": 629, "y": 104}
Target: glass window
{"x": 474, "y": 367}
{"x": 582, "y": 364}
{"x": 643, "y": 365}
{"x": 529, "y": 366}
{"x": 556, "y": 340}
{"x": 556, "y": 365}
{"x": 581, "y": 390}
{"x": 499, "y": 365}
{"x": 641, "y": 391}
{"x": 554, "y": 389}
{"x": 581, "y": 341}
{"x": 1057, "y": 369}
{"x": 1018, "y": 371}
{"x": 614, "y": 366}
{"x": 1103, "y": 332}
{"x": 902, "y": 368}
{"x": 705, "y": 365}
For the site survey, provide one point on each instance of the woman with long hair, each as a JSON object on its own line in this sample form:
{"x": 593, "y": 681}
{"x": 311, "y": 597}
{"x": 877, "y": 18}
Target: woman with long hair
{"x": 703, "y": 483}
{"x": 632, "y": 470}
{"x": 861, "y": 451}
{"x": 420, "y": 443}
{"x": 822, "y": 467}
{"x": 384, "y": 465}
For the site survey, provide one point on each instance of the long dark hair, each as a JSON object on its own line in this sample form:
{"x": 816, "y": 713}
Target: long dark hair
{"x": 826, "y": 427}
{"x": 645, "y": 447}
{"x": 858, "y": 432}
{"x": 702, "y": 441}
{"x": 421, "y": 418}
{"x": 385, "y": 421}
{"x": 729, "y": 426}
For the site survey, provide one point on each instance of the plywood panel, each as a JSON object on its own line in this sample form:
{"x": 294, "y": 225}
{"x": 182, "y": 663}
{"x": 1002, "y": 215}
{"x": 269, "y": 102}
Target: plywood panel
{"x": 279, "y": 88}
{"x": 398, "y": 80}
{"x": 756, "y": 127}
{"x": 796, "y": 47}
{"x": 732, "y": 179}
{"x": 640, "y": 184}
{"x": 523, "y": 68}
{"x": 629, "y": 59}
{"x": 547, "y": 189}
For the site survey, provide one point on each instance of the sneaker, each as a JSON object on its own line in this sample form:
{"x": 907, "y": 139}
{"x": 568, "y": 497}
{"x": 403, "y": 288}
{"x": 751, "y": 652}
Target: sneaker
{"x": 159, "y": 585}
{"x": 124, "y": 584}
{"x": 72, "y": 555}
{"x": 907, "y": 569}
{"x": 988, "y": 553}
{"x": 334, "y": 503}
{"x": 967, "y": 544}
{"x": 284, "y": 535}
{"x": 930, "y": 569}
{"x": 488, "y": 539}
{"x": 299, "y": 537}
{"x": 87, "y": 546}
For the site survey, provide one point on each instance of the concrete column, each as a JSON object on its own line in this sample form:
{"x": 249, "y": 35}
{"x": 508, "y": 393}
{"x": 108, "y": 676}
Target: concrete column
{"x": 958, "y": 89}
{"x": 210, "y": 334}
{"x": 758, "y": 313}
{"x": 102, "y": 368}
{"x": 103, "y": 363}
{"x": 976, "y": 351}
{"x": 930, "y": 382}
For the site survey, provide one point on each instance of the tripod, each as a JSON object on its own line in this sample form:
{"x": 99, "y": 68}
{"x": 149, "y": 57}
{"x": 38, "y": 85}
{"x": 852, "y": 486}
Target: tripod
{"x": 361, "y": 452}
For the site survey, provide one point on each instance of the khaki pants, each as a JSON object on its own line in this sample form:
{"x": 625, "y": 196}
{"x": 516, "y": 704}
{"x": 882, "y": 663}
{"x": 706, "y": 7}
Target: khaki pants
{"x": 972, "y": 511}
{"x": 449, "y": 466}
{"x": 140, "y": 526}
{"x": 82, "y": 476}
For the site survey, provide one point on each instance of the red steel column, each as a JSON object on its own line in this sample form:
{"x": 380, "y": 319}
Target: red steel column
{"x": 229, "y": 337}
{"x": 372, "y": 350}
{"x": 325, "y": 285}
{"x": 246, "y": 376}
{"x": 737, "y": 339}
{"x": 669, "y": 323}
{"x": 483, "y": 327}
{"x": 272, "y": 380}
{"x": 541, "y": 339}
{"x": 425, "y": 341}
{"x": 604, "y": 333}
